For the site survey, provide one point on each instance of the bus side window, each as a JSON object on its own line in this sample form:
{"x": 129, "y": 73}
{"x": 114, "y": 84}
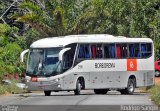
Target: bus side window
{"x": 68, "y": 57}
{"x": 134, "y": 50}
{"x": 118, "y": 51}
{"x": 137, "y": 51}
{"x": 106, "y": 51}
{"x": 81, "y": 52}
{"x": 112, "y": 51}
{"x": 97, "y": 51}
{"x": 121, "y": 50}
{"x": 109, "y": 50}
{"x": 87, "y": 51}
{"x": 94, "y": 51}
{"x": 84, "y": 51}
{"x": 146, "y": 50}
{"x": 124, "y": 51}
{"x": 66, "y": 63}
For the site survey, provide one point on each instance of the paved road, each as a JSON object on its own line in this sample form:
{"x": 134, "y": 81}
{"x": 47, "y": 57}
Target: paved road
{"x": 67, "y": 101}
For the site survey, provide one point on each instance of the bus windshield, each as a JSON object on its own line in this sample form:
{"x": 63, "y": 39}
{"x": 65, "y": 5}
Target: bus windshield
{"x": 43, "y": 62}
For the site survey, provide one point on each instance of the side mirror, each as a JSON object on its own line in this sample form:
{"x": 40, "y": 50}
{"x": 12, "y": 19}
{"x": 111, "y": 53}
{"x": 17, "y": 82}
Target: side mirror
{"x": 22, "y": 54}
{"x": 62, "y": 52}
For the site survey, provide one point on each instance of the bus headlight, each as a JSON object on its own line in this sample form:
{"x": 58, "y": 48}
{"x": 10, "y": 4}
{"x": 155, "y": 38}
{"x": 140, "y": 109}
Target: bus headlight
{"x": 27, "y": 80}
{"x": 59, "y": 85}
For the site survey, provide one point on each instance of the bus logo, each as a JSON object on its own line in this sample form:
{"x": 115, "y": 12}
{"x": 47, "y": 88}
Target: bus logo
{"x": 131, "y": 65}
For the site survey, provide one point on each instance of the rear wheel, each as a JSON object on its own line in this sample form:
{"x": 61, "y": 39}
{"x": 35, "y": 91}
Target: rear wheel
{"x": 101, "y": 91}
{"x": 157, "y": 73}
{"x": 130, "y": 87}
{"x": 77, "y": 91}
{"x": 47, "y": 93}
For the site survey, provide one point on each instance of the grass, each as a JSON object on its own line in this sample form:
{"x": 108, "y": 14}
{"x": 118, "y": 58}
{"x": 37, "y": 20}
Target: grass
{"x": 155, "y": 94}
{"x": 10, "y": 89}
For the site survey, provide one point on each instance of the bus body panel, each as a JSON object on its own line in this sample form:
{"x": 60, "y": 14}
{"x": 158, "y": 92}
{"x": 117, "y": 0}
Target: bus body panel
{"x": 100, "y": 77}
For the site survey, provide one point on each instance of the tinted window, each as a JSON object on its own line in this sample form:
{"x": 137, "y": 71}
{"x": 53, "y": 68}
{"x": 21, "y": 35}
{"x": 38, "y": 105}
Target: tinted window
{"x": 121, "y": 50}
{"x": 84, "y": 51}
{"x": 146, "y": 50}
{"x": 69, "y": 56}
{"x": 109, "y": 50}
{"x": 97, "y": 51}
{"x": 134, "y": 50}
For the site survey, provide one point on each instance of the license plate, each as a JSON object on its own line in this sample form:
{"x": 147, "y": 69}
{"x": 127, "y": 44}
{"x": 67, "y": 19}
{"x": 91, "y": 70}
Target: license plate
{"x": 44, "y": 83}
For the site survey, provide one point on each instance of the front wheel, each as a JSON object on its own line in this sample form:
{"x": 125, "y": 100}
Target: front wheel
{"x": 47, "y": 93}
{"x": 123, "y": 91}
{"x": 77, "y": 91}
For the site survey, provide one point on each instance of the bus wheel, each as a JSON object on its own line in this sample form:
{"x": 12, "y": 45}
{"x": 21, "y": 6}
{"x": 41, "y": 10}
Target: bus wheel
{"x": 123, "y": 91}
{"x": 100, "y": 91}
{"x": 77, "y": 91}
{"x": 97, "y": 91}
{"x": 157, "y": 73}
{"x": 131, "y": 86}
{"x": 47, "y": 93}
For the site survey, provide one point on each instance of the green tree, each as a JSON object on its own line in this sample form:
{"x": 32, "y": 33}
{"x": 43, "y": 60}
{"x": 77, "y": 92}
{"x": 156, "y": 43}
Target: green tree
{"x": 57, "y": 19}
{"x": 7, "y": 34}
{"x": 131, "y": 18}
{"x": 9, "y": 50}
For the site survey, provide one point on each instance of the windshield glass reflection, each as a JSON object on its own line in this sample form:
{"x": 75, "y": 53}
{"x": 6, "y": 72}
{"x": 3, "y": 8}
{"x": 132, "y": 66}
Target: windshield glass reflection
{"x": 44, "y": 62}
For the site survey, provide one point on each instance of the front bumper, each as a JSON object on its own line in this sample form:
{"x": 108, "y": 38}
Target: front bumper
{"x": 43, "y": 86}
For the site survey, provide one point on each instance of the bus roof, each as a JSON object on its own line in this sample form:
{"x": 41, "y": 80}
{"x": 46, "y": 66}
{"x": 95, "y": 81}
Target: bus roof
{"x": 94, "y": 38}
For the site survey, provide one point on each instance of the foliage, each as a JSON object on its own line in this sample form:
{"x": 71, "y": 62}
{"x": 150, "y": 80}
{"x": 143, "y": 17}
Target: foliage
{"x": 10, "y": 88}
{"x": 4, "y": 5}
{"x": 9, "y": 50}
{"x": 57, "y": 19}
{"x": 126, "y": 18}
{"x": 10, "y": 47}
{"x": 30, "y": 36}
{"x": 155, "y": 94}
{"x": 7, "y": 34}
{"x": 9, "y": 58}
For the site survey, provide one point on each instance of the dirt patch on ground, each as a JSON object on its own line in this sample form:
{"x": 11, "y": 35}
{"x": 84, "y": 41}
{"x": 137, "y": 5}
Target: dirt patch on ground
{"x": 157, "y": 81}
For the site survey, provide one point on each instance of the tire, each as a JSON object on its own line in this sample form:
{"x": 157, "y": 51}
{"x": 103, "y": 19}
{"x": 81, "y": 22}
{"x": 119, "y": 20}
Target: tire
{"x": 123, "y": 91}
{"x": 77, "y": 91}
{"x": 131, "y": 86}
{"x": 47, "y": 93}
{"x": 157, "y": 73}
{"x": 97, "y": 91}
{"x": 100, "y": 91}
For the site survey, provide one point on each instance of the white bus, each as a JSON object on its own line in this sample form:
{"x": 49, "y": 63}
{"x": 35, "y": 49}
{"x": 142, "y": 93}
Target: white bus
{"x": 81, "y": 62}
